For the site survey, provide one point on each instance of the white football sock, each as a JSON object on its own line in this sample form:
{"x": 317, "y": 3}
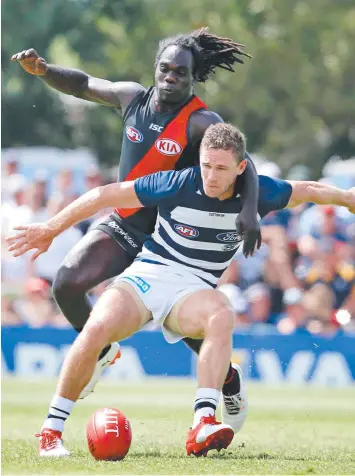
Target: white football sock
{"x": 206, "y": 402}
{"x": 59, "y": 410}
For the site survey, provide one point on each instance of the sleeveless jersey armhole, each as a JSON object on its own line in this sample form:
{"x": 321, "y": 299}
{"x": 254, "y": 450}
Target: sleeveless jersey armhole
{"x": 134, "y": 101}
{"x": 188, "y": 134}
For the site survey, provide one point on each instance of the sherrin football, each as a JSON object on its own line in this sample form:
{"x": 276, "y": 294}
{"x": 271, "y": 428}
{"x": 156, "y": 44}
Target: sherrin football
{"x": 109, "y": 434}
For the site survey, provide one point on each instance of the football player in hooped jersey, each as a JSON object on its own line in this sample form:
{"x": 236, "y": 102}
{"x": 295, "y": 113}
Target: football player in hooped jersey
{"x": 172, "y": 280}
{"x": 163, "y": 128}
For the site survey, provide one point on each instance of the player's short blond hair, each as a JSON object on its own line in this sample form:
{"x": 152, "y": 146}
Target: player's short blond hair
{"x": 226, "y": 137}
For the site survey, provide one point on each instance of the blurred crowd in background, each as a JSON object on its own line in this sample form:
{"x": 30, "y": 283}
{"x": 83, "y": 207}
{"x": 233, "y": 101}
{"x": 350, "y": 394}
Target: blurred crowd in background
{"x": 303, "y": 273}
{"x": 294, "y": 100}
{"x": 26, "y": 286}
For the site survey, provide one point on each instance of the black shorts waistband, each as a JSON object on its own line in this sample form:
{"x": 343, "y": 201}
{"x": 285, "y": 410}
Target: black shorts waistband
{"x": 127, "y": 240}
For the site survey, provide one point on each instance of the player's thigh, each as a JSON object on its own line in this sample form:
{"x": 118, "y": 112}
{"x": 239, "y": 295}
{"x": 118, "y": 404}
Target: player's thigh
{"x": 118, "y": 313}
{"x": 94, "y": 259}
{"x": 189, "y": 316}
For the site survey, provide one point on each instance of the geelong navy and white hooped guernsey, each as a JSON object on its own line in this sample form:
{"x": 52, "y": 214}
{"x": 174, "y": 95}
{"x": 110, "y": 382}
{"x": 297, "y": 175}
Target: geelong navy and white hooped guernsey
{"x": 194, "y": 230}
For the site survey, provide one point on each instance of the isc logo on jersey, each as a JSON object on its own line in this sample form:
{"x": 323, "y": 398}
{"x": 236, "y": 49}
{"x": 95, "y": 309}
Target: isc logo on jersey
{"x": 133, "y": 134}
{"x": 155, "y": 127}
{"x": 168, "y": 146}
{"x": 186, "y": 231}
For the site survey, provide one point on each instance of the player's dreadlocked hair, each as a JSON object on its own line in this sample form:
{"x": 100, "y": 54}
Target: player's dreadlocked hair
{"x": 209, "y": 52}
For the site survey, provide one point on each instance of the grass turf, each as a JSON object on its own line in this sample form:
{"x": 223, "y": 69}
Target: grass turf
{"x": 288, "y": 431}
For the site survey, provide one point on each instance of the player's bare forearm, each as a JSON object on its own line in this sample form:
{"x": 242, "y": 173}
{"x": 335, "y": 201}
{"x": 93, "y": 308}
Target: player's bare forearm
{"x": 79, "y": 84}
{"x": 250, "y": 194}
{"x": 75, "y": 82}
{"x": 247, "y": 225}
{"x": 322, "y": 194}
{"x": 39, "y": 236}
{"x": 113, "y": 195}
{"x": 68, "y": 81}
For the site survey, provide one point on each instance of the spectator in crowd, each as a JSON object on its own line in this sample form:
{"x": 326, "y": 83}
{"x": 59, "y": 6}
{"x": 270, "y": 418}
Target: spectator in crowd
{"x": 15, "y": 211}
{"x": 294, "y": 315}
{"x": 64, "y": 188}
{"x": 40, "y": 181}
{"x": 10, "y": 175}
{"x": 318, "y": 302}
{"x": 35, "y": 308}
{"x": 34, "y": 199}
{"x": 9, "y": 316}
{"x": 259, "y": 301}
{"x": 93, "y": 178}
{"x": 330, "y": 271}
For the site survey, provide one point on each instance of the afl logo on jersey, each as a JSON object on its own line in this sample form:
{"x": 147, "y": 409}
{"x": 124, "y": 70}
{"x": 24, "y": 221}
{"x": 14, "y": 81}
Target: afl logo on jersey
{"x": 186, "y": 231}
{"x": 133, "y": 134}
{"x": 168, "y": 147}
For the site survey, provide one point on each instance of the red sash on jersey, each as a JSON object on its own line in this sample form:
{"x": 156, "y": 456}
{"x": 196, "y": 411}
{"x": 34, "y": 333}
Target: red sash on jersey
{"x": 155, "y": 161}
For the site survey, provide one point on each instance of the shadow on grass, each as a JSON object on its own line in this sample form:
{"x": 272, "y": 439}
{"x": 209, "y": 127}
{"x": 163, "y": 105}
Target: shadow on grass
{"x": 224, "y": 455}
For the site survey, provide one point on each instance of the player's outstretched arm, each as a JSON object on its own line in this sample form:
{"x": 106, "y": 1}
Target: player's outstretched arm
{"x": 322, "y": 194}
{"x": 77, "y": 83}
{"x": 40, "y": 235}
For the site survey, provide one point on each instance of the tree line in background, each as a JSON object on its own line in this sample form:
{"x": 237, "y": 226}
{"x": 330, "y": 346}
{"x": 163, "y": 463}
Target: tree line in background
{"x": 295, "y": 100}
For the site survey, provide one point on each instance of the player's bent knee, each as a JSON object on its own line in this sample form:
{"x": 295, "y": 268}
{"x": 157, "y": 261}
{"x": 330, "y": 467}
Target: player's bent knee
{"x": 66, "y": 284}
{"x": 221, "y": 322}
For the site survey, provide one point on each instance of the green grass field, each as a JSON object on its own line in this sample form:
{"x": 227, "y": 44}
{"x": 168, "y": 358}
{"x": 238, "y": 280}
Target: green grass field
{"x": 288, "y": 431}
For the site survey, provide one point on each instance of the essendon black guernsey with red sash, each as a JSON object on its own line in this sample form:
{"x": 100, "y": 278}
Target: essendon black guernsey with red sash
{"x": 153, "y": 142}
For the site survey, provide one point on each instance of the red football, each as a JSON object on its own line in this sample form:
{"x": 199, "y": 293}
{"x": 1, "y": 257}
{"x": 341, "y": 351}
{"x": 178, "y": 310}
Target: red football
{"x": 109, "y": 434}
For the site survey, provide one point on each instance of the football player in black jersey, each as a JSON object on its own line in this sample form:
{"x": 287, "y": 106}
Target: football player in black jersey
{"x": 181, "y": 61}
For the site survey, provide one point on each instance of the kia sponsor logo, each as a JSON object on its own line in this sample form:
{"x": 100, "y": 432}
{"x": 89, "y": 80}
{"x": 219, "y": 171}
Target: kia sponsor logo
{"x": 228, "y": 237}
{"x": 186, "y": 231}
{"x": 133, "y": 134}
{"x": 168, "y": 146}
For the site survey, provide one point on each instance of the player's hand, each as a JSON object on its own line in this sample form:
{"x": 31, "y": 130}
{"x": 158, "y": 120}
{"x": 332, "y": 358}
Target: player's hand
{"x": 248, "y": 229}
{"x": 31, "y": 62}
{"x": 37, "y": 236}
{"x": 351, "y": 207}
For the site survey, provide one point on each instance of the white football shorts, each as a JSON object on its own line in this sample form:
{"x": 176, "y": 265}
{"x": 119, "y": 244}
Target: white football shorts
{"x": 160, "y": 287}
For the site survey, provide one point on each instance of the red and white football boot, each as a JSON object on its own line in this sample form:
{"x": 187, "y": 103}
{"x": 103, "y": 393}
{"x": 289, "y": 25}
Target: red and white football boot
{"x": 51, "y": 444}
{"x": 209, "y": 434}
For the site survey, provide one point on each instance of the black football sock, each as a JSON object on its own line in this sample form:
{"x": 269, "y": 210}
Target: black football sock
{"x": 104, "y": 351}
{"x": 231, "y": 384}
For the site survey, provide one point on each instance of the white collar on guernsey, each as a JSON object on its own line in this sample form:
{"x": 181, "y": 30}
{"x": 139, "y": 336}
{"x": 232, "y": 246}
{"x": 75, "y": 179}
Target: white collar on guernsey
{"x": 198, "y": 192}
